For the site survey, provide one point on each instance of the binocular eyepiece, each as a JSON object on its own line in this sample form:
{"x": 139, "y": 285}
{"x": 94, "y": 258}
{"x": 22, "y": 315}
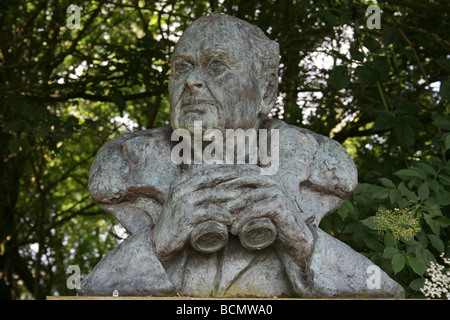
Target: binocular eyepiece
{"x": 211, "y": 236}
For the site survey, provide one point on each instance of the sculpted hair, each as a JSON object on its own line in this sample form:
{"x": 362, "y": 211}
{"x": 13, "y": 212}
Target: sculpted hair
{"x": 257, "y": 43}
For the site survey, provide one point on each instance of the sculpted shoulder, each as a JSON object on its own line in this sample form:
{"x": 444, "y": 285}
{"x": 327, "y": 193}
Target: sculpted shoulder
{"x": 132, "y": 165}
{"x": 316, "y": 170}
{"x": 316, "y": 159}
{"x": 333, "y": 168}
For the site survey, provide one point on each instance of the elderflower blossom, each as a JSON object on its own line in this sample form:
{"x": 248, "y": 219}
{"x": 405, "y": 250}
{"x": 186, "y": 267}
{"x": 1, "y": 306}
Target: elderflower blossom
{"x": 400, "y": 222}
{"x": 439, "y": 283}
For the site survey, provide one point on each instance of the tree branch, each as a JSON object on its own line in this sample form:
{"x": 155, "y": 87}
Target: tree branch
{"x": 420, "y": 6}
{"x": 92, "y": 97}
{"x": 81, "y": 212}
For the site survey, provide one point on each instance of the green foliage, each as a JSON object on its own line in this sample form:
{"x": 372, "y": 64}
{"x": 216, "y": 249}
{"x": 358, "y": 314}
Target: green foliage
{"x": 401, "y": 223}
{"x": 399, "y": 138}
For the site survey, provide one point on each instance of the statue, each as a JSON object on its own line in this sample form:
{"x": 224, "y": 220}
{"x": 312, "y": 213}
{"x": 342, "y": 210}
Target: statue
{"x": 221, "y": 229}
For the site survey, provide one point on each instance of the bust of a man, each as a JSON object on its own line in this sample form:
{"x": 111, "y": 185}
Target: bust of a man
{"x": 226, "y": 228}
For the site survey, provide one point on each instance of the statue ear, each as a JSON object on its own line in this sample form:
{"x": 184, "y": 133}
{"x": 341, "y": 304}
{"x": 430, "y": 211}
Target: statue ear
{"x": 269, "y": 92}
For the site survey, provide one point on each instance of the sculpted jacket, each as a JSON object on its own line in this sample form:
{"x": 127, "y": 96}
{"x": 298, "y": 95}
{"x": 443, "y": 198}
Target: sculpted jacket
{"x": 130, "y": 178}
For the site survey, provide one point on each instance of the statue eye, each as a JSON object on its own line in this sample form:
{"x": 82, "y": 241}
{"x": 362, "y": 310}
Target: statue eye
{"x": 217, "y": 67}
{"x": 183, "y": 67}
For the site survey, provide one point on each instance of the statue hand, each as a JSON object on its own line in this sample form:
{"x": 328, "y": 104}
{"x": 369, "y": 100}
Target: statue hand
{"x": 264, "y": 211}
{"x": 253, "y": 206}
{"x": 192, "y": 203}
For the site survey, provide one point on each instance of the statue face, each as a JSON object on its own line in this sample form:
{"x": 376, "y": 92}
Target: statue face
{"x": 213, "y": 81}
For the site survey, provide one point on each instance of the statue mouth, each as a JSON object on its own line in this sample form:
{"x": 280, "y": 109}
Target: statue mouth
{"x": 197, "y": 106}
{"x": 195, "y": 102}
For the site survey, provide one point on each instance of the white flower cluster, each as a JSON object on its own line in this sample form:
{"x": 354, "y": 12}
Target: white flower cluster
{"x": 439, "y": 283}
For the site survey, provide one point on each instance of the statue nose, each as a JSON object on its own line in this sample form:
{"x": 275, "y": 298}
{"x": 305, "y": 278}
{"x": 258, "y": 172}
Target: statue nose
{"x": 194, "y": 82}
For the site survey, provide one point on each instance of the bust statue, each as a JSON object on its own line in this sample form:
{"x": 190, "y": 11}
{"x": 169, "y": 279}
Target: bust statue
{"x": 225, "y": 228}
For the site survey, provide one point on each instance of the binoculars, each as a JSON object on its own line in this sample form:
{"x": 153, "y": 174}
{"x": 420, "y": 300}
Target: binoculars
{"x": 211, "y": 236}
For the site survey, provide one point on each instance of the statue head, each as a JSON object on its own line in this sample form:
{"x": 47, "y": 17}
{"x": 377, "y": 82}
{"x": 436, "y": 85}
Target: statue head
{"x": 224, "y": 73}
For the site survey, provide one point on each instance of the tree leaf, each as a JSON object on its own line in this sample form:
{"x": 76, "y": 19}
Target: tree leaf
{"x": 384, "y": 120}
{"x": 444, "y": 179}
{"x": 444, "y": 222}
{"x": 328, "y": 17}
{"x": 424, "y": 254}
{"x": 389, "y": 240}
{"x": 444, "y": 90}
{"x": 417, "y": 284}
{"x": 408, "y": 174}
{"x": 442, "y": 121}
{"x": 434, "y": 225}
{"x": 370, "y": 222}
{"x": 390, "y": 35}
{"x": 339, "y": 77}
{"x": 424, "y": 192}
{"x": 372, "y": 242}
{"x": 389, "y": 252}
{"x": 343, "y": 211}
{"x": 407, "y": 108}
{"x": 444, "y": 63}
{"x": 117, "y": 98}
{"x": 402, "y": 203}
{"x": 382, "y": 193}
{"x": 387, "y": 183}
{"x": 381, "y": 64}
{"x": 417, "y": 264}
{"x": 405, "y": 134}
{"x": 356, "y": 54}
{"x": 436, "y": 242}
{"x": 443, "y": 198}
{"x": 366, "y": 75}
{"x": 394, "y": 196}
{"x": 446, "y": 139}
{"x": 398, "y": 262}
{"x": 429, "y": 170}
{"x": 371, "y": 44}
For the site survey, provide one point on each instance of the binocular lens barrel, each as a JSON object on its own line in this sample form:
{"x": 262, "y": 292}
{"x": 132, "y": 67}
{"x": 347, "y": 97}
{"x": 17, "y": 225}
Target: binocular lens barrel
{"x": 258, "y": 234}
{"x": 211, "y": 236}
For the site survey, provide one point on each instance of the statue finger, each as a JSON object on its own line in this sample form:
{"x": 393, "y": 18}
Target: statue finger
{"x": 209, "y": 177}
{"x": 214, "y": 196}
{"x": 206, "y": 212}
{"x": 266, "y": 208}
{"x": 250, "y": 181}
{"x": 247, "y": 196}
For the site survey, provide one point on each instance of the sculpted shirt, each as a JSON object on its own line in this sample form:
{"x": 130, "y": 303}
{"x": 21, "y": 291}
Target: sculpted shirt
{"x": 130, "y": 178}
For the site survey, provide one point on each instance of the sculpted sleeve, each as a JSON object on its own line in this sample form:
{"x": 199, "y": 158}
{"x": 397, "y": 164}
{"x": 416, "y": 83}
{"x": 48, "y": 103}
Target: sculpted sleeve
{"x": 333, "y": 169}
{"x": 316, "y": 170}
{"x": 130, "y": 268}
{"x": 109, "y": 172}
{"x": 131, "y": 175}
